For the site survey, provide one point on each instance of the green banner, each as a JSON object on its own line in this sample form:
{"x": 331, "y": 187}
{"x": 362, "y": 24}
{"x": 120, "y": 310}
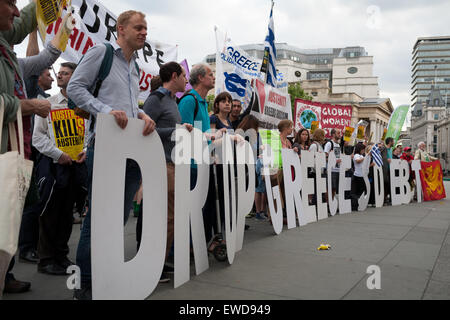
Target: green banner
{"x": 272, "y": 138}
{"x": 396, "y": 122}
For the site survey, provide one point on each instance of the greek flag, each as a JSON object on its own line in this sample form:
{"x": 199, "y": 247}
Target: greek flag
{"x": 376, "y": 155}
{"x": 270, "y": 54}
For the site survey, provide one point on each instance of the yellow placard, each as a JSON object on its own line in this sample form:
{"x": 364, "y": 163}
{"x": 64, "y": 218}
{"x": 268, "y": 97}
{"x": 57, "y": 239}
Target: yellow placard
{"x": 348, "y": 133}
{"x": 47, "y": 12}
{"x": 314, "y": 126}
{"x": 361, "y": 132}
{"x": 384, "y": 134}
{"x": 68, "y": 132}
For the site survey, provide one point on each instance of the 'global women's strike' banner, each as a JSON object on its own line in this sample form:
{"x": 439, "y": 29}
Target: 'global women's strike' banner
{"x": 95, "y": 24}
{"x": 68, "y": 132}
{"x": 330, "y": 116}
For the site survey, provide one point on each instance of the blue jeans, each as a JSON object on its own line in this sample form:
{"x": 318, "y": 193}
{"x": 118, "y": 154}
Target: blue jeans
{"x": 132, "y": 182}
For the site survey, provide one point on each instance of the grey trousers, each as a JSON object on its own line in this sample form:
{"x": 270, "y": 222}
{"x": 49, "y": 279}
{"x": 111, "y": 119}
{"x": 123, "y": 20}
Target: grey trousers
{"x": 5, "y": 258}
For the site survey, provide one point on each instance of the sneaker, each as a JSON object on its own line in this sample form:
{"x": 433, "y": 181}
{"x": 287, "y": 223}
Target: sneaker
{"x": 260, "y": 217}
{"x": 164, "y": 278}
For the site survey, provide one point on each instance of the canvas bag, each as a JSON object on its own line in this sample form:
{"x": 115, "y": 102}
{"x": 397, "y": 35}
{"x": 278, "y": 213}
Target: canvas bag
{"x": 15, "y": 176}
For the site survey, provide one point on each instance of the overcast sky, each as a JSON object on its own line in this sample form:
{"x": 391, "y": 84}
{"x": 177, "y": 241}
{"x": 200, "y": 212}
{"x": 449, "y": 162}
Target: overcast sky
{"x": 387, "y": 29}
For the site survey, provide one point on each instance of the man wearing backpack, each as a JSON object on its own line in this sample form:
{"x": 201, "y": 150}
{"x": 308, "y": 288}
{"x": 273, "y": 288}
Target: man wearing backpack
{"x": 161, "y": 106}
{"x": 117, "y": 95}
{"x": 334, "y": 146}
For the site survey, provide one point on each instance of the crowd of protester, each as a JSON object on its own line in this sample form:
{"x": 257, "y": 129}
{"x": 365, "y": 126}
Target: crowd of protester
{"x": 62, "y": 186}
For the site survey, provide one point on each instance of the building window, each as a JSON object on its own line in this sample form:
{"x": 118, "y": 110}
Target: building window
{"x": 436, "y": 116}
{"x": 352, "y": 70}
{"x": 314, "y": 94}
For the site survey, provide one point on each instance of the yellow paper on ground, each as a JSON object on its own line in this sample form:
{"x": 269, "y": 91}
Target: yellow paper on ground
{"x": 68, "y": 132}
{"x": 47, "y": 12}
{"x": 348, "y": 133}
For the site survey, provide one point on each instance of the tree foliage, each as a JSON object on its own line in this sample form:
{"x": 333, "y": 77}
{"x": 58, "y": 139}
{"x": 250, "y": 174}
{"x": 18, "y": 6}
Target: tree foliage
{"x": 296, "y": 92}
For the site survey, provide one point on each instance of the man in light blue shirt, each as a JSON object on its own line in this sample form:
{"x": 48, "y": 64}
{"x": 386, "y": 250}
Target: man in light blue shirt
{"x": 117, "y": 96}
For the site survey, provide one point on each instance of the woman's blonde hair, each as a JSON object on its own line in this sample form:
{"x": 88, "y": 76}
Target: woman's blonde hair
{"x": 318, "y": 135}
{"x": 284, "y": 124}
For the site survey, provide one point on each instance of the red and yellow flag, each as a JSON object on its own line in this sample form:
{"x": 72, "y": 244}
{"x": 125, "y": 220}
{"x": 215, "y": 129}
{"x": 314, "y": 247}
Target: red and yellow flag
{"x": 432, "y": 180}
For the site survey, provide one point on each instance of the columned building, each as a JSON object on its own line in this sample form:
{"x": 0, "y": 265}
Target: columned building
{"x": 376, "y": 111}
{"x": 425, "y": 119}
{"x": 443, "y": 143}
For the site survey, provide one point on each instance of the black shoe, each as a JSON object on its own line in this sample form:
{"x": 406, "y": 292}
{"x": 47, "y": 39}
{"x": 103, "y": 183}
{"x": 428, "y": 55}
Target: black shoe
{"x": 15, "y": 286}
{"x": 164, "y": 278}
{"x": 52, "y": 269}
{"x": 168, "y": 269}
{"x": 30, "y": 256}
{"x": 247, "y": 227}
{"x": 83, "y": 294}
{"x": 65, "y": 263}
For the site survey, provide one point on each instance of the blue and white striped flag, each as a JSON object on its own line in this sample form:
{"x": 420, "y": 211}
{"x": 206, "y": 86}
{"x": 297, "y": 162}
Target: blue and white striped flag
{"x": 270, "y": 54}
{"x": 376, "y": 155}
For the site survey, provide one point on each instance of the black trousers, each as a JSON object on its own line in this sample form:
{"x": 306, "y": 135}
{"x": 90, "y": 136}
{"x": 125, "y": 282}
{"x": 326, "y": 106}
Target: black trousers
{"x": 358, "y": 188}
{"x": 55, "y": 222}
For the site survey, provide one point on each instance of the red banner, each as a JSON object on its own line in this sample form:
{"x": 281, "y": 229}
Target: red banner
{"x": 330, "y": 116}
{"x": 432, "y": 180}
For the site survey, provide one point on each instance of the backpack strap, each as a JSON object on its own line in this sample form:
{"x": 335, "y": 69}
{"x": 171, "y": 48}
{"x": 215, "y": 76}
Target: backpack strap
{"x": 105, "y": 68}
{"x": 196, "y": 102}
{"x": 157, "y": 93}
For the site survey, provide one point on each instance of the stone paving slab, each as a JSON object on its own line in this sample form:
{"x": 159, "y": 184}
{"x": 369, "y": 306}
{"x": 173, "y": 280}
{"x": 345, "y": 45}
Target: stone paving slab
{"x": 410, "y": 243}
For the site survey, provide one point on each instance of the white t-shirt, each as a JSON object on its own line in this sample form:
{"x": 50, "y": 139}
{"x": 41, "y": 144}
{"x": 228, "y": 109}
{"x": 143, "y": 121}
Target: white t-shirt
{"x": 358, "y": 166}
{"x": 315, "y": 147}
{"x": 337, "y": 152}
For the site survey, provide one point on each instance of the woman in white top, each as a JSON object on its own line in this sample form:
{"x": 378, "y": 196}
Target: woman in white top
{"x": 358, "y": 184}
{"x": 318, "y": 137}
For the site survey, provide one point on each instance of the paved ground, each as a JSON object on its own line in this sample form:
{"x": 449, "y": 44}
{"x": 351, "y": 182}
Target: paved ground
{"x": 411, "y": 245}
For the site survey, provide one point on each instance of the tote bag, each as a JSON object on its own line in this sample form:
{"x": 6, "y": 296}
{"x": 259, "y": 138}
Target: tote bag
{"x": 15, "y": 176}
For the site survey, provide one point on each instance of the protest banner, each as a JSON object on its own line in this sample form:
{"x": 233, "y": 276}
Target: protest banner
{"x": 396, "y": 122}
{"x": 431, "y": 177}
{"x": 330, "y": 116}
{"x": 314, "y": 126}
{"x": 95, "y": 24}
{"x": 136, "y": 279}
{"x": 68, "y": 131}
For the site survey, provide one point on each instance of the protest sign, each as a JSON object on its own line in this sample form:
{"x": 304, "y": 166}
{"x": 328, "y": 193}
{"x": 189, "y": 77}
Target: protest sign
{"x": 431, "y": 178}
{"x": 68, "y": 131}
{"x": 348, "y": 132}
{"x": 96, "y": 25}
{"x": 270, "y": 105}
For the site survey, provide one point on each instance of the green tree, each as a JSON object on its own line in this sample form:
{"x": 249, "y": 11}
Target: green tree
{"x": 296, "y": 92}
{"x": 210, "y": 100}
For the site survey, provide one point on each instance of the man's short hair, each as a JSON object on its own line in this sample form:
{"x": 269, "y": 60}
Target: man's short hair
{"x": 420, "y": 143}
{"x": 125, "y": 17}
{"x": 389, "y": 140}
{"x": 237, "y": 100}
{"x": 72, "y": 66}
{"x": 167, "y": 69}
{"x": 197, "y": 71}
{"x": 45, "y": 69}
